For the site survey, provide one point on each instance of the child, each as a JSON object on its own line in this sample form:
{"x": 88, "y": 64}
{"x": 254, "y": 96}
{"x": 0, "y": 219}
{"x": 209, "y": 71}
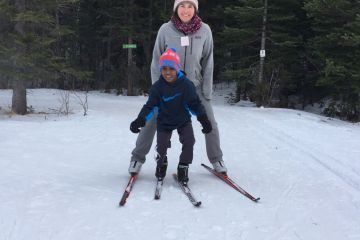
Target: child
{"x": 175, "y": 96}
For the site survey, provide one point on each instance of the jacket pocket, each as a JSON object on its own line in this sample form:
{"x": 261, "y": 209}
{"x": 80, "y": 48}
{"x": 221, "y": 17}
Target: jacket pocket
{"x": 198, "y": 76}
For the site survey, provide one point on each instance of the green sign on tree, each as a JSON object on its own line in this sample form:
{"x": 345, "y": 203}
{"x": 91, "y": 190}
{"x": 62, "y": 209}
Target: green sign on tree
{"x": 129, "y": 45}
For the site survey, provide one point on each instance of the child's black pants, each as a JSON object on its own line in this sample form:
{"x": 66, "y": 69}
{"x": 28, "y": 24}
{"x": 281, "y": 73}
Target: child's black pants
{"x": 187, "y": 139}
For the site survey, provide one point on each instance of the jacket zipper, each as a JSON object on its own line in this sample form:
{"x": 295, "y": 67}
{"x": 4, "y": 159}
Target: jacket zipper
{"x": 191, "y": 45}
{"x": 185, "y": 55}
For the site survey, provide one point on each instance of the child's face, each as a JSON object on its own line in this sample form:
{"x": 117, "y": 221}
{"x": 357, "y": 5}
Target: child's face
{"x": 169, "y": 74}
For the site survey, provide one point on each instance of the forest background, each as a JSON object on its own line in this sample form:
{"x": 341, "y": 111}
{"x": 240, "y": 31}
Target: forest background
{"x": 312, "y": 49}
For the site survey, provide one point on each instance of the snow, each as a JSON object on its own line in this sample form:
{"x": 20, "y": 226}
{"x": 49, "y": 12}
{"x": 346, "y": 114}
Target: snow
{"x": 61, "y": 177}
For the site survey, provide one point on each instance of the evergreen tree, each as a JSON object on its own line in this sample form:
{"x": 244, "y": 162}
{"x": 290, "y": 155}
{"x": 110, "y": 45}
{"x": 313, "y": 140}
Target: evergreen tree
{"x": 28, "y": 47}
{"x": 312, "y": 47}
{"x": 240, "y": 41}
{"x": 288, "y": 34}
{"x": 336, "y": 53}
{"x": 105, "y": 26}
{"x": 284, "y": 47}
{"x": 25, "y": 47}
{"x": 65, "y": 62}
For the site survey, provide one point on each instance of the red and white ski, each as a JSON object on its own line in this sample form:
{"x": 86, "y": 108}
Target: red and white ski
{"x": 128, "y": 190}
{"x": 230, "y": 182}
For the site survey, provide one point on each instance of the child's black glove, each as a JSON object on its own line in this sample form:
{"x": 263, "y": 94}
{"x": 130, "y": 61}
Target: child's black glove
{"x": 205, "y": 123}
{"x": 137, "y": 124}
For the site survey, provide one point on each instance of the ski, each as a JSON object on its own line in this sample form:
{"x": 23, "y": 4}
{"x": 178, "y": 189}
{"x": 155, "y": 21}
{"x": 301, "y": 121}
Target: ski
{"x": 186, "y": 190}
{"x": 231, "y": 183}
{"x": 128, "y": 190}
{"x": 158, "y": 189}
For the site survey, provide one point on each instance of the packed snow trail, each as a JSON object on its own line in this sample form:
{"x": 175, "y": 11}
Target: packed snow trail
{"x": 62, "y": 177}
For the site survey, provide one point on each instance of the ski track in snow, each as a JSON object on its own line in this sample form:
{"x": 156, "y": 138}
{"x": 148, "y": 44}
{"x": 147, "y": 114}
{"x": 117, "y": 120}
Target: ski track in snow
{"x": 333, "y": 165}
{"x": 62, "y": 177}
{"x": 273, "y": 134}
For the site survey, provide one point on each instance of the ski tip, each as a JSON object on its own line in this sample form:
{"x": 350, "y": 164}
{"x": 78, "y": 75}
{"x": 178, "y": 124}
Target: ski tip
{"x": 122, "y": 201}
{"x": 197, "y": 204}
{"x": 256, "y": 200}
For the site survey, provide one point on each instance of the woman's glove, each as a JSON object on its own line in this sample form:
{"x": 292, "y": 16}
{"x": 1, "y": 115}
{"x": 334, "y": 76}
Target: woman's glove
{"x": 205, "y": 123}
{"x": 137, "y": 124}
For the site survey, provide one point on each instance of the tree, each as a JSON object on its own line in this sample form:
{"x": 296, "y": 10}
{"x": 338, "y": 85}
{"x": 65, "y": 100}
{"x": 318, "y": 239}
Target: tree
{"x": 336, "y": 53}
{"x": 19, "y": 89}
{"x": 30, "y": 49}
{"x": 285, "y": 43}
{"x": 24, "y": 47}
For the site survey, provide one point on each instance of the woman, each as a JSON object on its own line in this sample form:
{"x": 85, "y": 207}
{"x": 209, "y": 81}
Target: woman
{"x": 193, "y": 41}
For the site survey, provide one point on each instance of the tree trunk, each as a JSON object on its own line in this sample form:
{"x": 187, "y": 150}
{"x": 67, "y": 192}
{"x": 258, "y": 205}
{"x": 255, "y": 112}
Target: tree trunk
{"x": 130, "y": 87}
{"x": 261, "y": 93}
{"x": 108, "y": 69}
{"x": 148, "y": 45}
{"x": 19, "y": 97}
{"x": 19, "y": 89}
{"x": 130, "y": 78}
{"x": 263, "y": 41}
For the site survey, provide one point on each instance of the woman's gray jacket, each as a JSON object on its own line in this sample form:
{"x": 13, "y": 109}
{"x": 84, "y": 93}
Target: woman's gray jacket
{"x": 196, "y": 58}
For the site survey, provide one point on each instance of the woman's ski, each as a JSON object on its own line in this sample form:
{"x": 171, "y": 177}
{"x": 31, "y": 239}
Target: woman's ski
{"x": 230, "y": 182}
{"x": 128, "y": 190}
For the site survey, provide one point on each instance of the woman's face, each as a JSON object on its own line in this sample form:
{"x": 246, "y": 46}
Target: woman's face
{"x": 185, "y": 11}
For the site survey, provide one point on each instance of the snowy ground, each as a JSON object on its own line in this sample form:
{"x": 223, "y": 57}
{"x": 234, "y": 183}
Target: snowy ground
{"x": 62, "y": 177}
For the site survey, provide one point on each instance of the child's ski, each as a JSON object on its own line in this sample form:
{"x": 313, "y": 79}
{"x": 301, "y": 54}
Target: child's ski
{"x": 186, "y": 190}
{"x": 158, "y": 188}
{"x": 230, "y": 182}
{"x": 128, "y": 190}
